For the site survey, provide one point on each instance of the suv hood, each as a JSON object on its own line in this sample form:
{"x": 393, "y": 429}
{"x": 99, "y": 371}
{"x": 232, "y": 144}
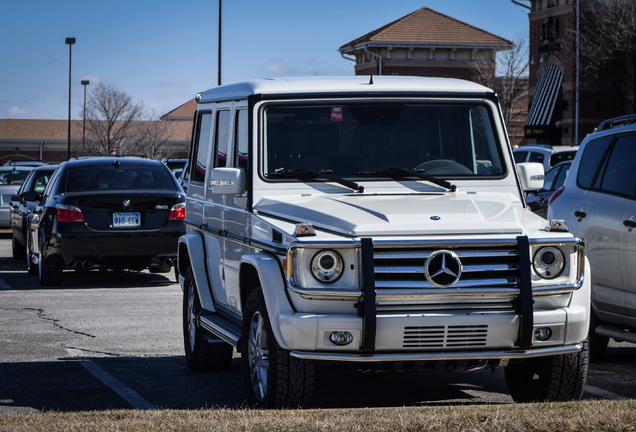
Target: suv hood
{"x": 364, "y": 215}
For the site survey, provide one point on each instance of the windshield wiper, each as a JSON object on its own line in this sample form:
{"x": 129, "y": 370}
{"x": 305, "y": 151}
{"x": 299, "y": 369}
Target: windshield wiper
{"x": 402, "y": 172}
{"x": 316, "y": 174}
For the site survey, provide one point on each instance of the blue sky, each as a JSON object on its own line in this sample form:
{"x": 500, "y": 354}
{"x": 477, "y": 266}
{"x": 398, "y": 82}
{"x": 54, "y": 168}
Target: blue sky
{"x": 163, "y": 52}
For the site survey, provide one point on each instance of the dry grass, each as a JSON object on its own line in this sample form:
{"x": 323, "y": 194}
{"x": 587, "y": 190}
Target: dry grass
{"x": 555, "y": 417}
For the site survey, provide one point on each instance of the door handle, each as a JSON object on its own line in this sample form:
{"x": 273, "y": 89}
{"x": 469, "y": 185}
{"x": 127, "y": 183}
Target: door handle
{"x": 580, "y": 214}
{"x": 630, "y": 223}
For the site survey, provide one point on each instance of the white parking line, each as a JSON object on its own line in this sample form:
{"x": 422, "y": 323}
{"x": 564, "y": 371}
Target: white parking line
{"x": 605, "y": 394}
{"x": 128, "y": 394}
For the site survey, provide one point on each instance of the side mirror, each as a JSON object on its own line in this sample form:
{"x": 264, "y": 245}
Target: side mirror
{"x": 531, "y": 175}
{"x": 228, "y": 181}
{"x": 30, "y": 196}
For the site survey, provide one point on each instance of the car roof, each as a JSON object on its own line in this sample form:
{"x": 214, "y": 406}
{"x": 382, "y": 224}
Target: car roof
{"x": 105, "y": 161}
{"x": 359, "y": 84}
{"x": 546, "y": 148}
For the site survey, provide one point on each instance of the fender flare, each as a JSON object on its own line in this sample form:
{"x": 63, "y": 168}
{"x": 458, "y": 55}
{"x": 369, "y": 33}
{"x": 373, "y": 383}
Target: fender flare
{"x": 191, "y": 245}
{"x": 274, "y": 287}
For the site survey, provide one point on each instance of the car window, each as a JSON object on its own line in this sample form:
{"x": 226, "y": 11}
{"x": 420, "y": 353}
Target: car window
{"x": 550, "y": 179}
{"x": 14, "y": 176}
{"x": 591, "y": 160}
{"x": 520, "y": 156}
{"x": 202, "y": 147}
{"x": 536, "y": 157}
{"x": 353, "y": 139}
{"x": 121, "y": 178}
{"x": 240, "y": 139}
{"x": 560, "y": 179}
{"x": 222, "y": 133}
{"x": 563, "y": 156}
{"x": 619, "y": 175}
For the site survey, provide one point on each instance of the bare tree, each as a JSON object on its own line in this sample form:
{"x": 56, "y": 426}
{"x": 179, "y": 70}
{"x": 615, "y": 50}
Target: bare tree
{"x": 608, "y": 49}
{"x": 110, "y": 120}
{"x": 509, "y": 80}
{"x": 151, "y": 137}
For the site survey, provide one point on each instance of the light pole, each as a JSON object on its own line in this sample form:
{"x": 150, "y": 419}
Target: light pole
{"x": 69, "y": 42}
{"x": 220, "y": 7}
{"x": 84, "y": 83}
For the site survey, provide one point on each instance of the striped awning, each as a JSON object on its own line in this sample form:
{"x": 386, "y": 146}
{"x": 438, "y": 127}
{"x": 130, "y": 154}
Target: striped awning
{"x": 545, "y": 97}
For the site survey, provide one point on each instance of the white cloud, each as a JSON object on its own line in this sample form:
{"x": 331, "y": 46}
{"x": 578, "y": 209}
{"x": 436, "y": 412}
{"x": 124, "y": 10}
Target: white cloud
{"x": 17, "y": 111}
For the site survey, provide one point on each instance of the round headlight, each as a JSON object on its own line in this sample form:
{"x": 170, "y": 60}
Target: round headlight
{"x": 549, "y": 262}
{"x": 327, "y": 266}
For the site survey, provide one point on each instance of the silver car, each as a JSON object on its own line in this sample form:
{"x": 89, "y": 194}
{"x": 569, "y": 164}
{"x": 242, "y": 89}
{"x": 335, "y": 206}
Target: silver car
{"x": 11, "y": 177}
{"x": 598, "y": 203}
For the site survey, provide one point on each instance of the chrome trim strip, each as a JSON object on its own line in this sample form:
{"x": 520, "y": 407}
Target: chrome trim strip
{"x": 220, "y": 331}
{"x": 465, "y": 269}
{"x": 475, "y": 355}
{"x": 458, "y": 290}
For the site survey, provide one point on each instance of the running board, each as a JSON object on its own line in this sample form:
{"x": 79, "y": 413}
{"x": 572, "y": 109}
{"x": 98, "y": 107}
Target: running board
{"x": 221, "y": 327}
{"x": 618, "y": 334}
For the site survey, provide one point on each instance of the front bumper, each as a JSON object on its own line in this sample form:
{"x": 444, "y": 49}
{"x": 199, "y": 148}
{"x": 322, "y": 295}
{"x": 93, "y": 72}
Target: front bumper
{"x": 452, "y": 335}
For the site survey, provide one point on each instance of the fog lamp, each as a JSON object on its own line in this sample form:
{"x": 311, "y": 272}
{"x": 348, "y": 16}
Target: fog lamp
{"x": 542, "y": 333}
{"x": 341, "y": 338}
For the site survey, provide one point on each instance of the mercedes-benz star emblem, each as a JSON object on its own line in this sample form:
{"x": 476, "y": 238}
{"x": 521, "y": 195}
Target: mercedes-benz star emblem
{"x": 443, "y": 268}
{"x": 126, "y": 203}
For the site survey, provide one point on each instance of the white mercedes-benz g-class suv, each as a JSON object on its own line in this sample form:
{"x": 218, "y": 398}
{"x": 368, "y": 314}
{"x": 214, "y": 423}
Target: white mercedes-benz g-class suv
{"x": 376, "y": 220}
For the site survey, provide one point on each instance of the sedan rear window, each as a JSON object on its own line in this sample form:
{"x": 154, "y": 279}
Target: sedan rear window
{"x": 120, "y": 178}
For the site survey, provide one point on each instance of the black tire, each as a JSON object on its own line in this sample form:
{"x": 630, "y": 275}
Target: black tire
{"x": 598, "y": 344}
{"x": 273, "y": 379}
{"x": 50, "y": 273}
{"x": 544, "y": 379}
{"x": 201, "y": 354}
{"x": 18, "y": 250}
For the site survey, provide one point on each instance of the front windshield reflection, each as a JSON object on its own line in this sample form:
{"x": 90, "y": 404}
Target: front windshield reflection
{"x": 348, "y": 140}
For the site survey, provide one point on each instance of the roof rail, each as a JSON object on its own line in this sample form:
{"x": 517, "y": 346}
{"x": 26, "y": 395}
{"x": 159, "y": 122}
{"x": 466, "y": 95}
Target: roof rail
{"x": 616, "y": 121}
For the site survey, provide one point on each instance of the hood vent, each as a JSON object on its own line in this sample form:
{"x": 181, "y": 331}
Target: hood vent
{"x": 277, "y": 236}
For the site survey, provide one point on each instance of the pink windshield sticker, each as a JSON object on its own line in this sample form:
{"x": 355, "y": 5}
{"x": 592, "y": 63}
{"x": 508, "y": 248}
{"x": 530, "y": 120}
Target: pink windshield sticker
{"x": 336, "y": 113}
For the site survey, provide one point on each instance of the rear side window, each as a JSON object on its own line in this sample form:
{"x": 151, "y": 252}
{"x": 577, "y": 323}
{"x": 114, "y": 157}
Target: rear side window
{"x": 536, "y": 157}
{"x": 591, "y": 159}
{"x": 619, "y": 176}
{"x": 562, "y": 157}
{"x": 520, "y": 156}
{"x": 221, "y": 138}
{"x": 122, "y": 178}
{"x": 201, "y": 147}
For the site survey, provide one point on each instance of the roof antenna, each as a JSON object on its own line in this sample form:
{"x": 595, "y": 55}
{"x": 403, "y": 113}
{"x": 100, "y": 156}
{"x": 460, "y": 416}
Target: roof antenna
{"x": 371, "y": 79}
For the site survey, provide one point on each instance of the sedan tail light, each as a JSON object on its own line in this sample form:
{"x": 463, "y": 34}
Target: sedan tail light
{"x": 555, "y": 195}
{"x": 66, "y": 213}
{"x": 177, "y": 212}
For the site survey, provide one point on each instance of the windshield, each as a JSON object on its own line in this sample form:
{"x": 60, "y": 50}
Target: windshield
{"x": 362, "y": 140}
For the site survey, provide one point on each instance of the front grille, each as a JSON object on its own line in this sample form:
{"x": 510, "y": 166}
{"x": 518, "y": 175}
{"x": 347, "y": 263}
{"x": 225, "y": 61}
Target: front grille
{"x": 440, "y": 337}
{"x": 402, "y": 268}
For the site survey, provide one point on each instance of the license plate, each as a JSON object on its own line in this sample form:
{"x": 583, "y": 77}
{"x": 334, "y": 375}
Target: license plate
{"x": 126, "y": 220}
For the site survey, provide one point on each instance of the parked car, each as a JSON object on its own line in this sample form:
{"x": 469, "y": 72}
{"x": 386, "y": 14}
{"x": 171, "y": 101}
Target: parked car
{"x": 175, "y": 165}
{"x": 598, "y": 204}
{"x": 106, "y": 213}
{"x": 11, "y": 177}
{"x": 379, "y": 222}
{"x": 538, "y": 200}
{"x": 23, "y": 202}
{"x": 547, "y": 155}
{"x": 33, "y": 163}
